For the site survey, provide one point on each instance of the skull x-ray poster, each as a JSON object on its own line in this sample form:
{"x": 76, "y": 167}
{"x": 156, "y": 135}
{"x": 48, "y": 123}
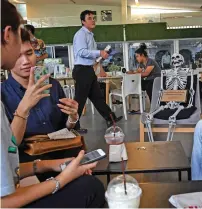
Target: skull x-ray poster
{"x": 106, "y": 15}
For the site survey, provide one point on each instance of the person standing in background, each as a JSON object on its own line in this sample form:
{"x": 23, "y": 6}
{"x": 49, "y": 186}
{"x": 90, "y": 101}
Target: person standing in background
{"x": 165, "y": 62}
{"x": 37, "y": 44}
{"x": 85, "y": 54}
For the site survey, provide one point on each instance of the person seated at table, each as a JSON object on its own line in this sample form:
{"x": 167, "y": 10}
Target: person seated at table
{"x": 196, "y": 162}
{"x": 148, "y": 68}
{"x": 49, "y": 114}
{"x": 71, "y": 189}
{"x": 100, "y": 72}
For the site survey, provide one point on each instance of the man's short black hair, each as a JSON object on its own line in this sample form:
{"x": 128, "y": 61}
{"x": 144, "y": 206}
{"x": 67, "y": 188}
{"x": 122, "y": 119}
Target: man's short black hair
{"x": 30, "y": 28}
{"x": 25, "y": 37}
{"x": 84, "y": 13}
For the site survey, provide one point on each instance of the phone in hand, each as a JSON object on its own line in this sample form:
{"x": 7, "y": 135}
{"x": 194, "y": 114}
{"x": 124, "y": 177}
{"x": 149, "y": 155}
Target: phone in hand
{"x": 40, "y": 71}
{"x": 88, "y": 158}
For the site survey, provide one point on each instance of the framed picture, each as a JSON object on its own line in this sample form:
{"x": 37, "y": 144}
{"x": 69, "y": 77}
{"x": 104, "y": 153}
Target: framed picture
{"x": 95, "y": 13}
{"x": 60, "y": 71}
{"x": 106, "y": 15}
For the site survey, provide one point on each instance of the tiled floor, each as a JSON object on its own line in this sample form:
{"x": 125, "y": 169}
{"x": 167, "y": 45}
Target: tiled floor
{"x": 95, "y": 139}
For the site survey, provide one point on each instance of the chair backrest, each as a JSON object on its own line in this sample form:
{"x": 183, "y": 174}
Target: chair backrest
{"x": 155, "y": 94}
{"x": 131, "y": 84}
{"x": 66, "y": 90}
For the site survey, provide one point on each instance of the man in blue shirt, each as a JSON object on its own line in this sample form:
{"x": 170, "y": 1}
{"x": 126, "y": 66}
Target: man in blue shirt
{"x": 85, "y": 54}
{"x": 50, "y": 114}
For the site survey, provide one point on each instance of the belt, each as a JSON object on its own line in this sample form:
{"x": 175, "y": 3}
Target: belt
{"x": 83, "y": 65}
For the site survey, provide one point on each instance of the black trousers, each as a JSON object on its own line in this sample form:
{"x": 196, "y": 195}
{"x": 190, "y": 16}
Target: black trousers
{"x": 86, "y": 86}
{"x": 147, "y": 85}
{"x": 84, "y": 192}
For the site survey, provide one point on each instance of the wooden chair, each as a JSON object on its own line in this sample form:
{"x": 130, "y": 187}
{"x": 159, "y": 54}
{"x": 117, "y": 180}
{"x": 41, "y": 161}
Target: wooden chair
{"x": 183, "y": 126}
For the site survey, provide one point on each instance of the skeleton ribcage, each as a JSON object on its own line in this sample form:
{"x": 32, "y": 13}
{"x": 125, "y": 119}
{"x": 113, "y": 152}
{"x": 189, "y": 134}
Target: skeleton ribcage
{"x": 176, "y": 79}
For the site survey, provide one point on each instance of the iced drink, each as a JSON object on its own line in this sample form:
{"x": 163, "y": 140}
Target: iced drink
{"x": 116, "y": 196}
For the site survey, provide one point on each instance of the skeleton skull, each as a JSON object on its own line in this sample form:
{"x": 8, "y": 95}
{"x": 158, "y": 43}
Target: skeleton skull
{"x": 177, "y": 60}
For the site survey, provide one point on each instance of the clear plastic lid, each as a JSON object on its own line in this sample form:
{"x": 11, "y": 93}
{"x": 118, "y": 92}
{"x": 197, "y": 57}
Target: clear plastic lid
{"x": 116, "y": 190}
{"x": 114, "y": 135}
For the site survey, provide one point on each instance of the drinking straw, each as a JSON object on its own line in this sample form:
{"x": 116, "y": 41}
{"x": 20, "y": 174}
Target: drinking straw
{"x": 124, "y": 177}
{"x": 114, "y": 123}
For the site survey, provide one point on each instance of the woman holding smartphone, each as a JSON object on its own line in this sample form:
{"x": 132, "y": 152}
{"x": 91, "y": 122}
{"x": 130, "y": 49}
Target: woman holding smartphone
{"x": 64, "y": 190}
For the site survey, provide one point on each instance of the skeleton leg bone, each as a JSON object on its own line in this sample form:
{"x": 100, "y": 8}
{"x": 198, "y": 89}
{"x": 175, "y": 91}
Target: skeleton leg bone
{"x": 147, "y": 119}
{"x": 172, "y": 123}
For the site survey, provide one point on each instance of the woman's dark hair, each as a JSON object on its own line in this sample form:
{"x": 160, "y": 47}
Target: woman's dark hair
{"x": 30, "y": 28}
{"x": 25, "y": 35}
{"x": 9, "y": 17}
{"x": 84, "y": 13}
{"x": 142, "y": 50}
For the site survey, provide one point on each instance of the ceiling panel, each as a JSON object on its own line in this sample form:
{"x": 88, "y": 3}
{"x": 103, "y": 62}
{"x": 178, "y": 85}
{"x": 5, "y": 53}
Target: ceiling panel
{"x": 188, "y": 4}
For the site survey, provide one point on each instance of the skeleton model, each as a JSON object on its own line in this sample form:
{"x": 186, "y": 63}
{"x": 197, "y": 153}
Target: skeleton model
{"x": 175, "y": 79}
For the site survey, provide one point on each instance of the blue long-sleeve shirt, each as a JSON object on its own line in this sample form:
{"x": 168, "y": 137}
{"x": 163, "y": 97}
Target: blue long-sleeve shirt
{"x": 45, "y": 117}
{"x": 85, "y": 47}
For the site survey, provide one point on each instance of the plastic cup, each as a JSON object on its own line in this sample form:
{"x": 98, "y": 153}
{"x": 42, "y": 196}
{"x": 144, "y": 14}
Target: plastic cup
{"x": 116, "y": 196}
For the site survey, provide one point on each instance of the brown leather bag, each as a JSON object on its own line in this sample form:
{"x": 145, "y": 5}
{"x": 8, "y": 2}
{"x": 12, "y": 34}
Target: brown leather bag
{"x": 41, "y": 144}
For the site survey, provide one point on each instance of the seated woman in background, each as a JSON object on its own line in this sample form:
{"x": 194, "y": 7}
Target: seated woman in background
{"x": 69, "y": 189}
{"x": 148, "y": 68}
{"x": 196, "y": 164}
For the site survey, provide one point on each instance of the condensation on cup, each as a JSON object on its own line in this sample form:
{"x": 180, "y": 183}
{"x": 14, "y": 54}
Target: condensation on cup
{"x": 116, "y": 196}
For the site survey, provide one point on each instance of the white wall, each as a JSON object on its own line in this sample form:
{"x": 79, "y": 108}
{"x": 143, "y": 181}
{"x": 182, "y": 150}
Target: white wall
{"x": 67, "y": 14}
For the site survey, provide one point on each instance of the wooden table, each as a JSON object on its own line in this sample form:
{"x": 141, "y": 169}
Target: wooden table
{"x": 156, "y": 195}
{"x": 107, "y": 81}
{"x": 147, "y": 157}
{"x": 100, "y": 79}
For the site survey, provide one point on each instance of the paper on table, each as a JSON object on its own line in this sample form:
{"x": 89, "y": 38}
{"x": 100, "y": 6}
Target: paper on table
{"x": 62, "y": 134}
{"x": 187, "y": 200}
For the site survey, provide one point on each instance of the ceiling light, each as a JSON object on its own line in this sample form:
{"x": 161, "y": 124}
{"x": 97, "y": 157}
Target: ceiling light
{"x": 19, "y": 2}
{"x": 137, "y": 2}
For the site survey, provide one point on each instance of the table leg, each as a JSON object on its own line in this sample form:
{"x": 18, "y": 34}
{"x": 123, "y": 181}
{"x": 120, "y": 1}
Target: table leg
{"x": 189, "y": 174}
{"x": 65, "y": 83}
{"x": 179, "y": 175}
{"x": 141, "y": 131}
{"x": 108, "y": 178}
{"x": 107, "y": 91}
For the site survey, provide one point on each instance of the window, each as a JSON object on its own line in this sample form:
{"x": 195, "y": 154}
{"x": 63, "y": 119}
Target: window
{"x": 156, "y": 50}
{"x": 191, "y": 51}
{"x": 62, "y": 52}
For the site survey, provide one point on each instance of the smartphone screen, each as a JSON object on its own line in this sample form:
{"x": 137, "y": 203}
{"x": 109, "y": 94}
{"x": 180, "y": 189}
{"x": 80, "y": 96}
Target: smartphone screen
{"x": 88, "y": 158}
{"x": 40, "y": 71}
{"x": 92, "y": 156}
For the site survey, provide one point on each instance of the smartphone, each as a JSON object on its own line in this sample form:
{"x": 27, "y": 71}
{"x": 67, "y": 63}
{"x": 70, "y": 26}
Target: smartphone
{"x": 40, "y": 71}
{"x": 90, "y": 157}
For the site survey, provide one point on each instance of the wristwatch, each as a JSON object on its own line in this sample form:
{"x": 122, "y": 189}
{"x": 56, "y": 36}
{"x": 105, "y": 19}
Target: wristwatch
{"x": 57, "y": 186}
{"x": 35, "y": 166}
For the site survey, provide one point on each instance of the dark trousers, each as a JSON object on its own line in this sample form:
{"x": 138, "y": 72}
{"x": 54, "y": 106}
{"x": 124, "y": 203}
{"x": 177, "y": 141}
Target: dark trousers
{"x": 86, "y": 86}
{"x": 84, "y": 192}
{"x": 147, "y": 85}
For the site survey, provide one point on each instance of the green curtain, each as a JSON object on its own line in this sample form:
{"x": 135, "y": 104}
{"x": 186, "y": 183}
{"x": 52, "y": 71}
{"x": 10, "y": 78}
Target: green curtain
{"x": 62, "y": 35}
{"x": 112, "y": 33}
{"x": 154, "y": 31}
